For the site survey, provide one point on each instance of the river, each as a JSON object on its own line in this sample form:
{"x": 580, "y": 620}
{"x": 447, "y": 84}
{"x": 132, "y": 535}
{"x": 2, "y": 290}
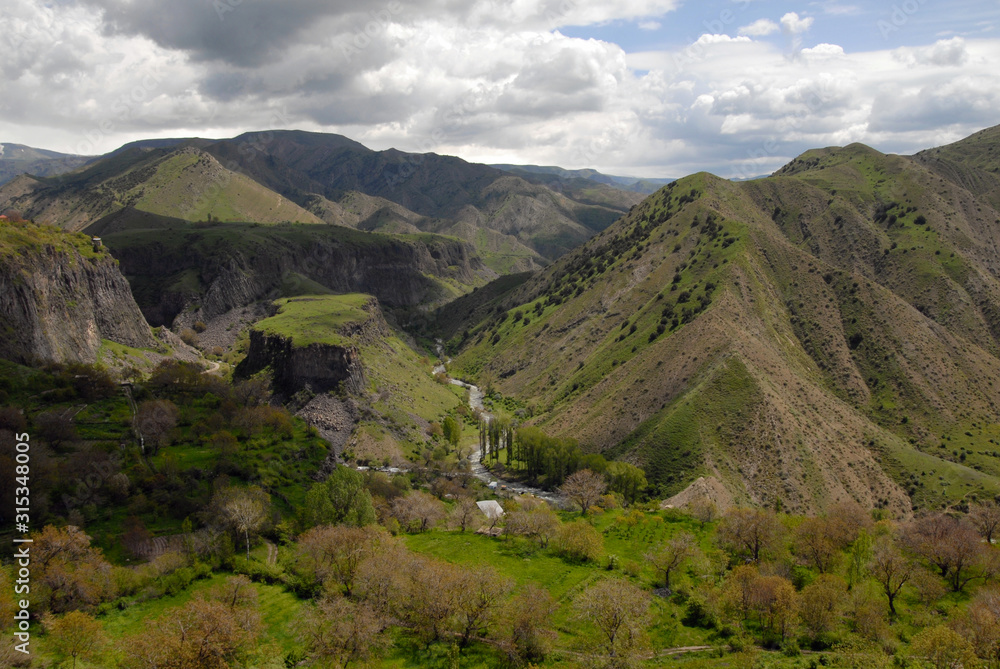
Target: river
{"x": 476, "y": 459}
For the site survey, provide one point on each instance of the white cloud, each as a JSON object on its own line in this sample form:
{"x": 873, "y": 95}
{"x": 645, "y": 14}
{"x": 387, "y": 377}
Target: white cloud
{"x": 484, "y": 80}
{"x": 650, "y": 25}
{"x": 824, "y": 50}
{"x": 760, "y": 28}
{"x": 943, "y": 53}
{"x": 792, "y": 24}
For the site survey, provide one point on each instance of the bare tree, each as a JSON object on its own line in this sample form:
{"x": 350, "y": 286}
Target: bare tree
{"x": 584, "y": 487}
{"x": 703, "y": 510}
{"x": 619, "y": 611}
{"x": 672, "y": 555}
{"x": 816, "y": 544}
{"x": 525, "y": 635}
{"x": 891, "y": 569}
{"x": 953, "y": 546}
{"x": 336, "y": 551}
{"x": 478, "y": 596}
{"x": 243, "y": 509}
{"x": 340, "y": 631}
{"x": 419, "y": 511}
{"x": 985, "y": 517}
{"x": 752, "y": 532}
{"x": 466, "y": 514}
{"x": 155, "y": 419}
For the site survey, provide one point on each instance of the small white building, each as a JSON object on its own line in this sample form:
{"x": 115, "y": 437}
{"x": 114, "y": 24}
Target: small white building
{"x": 490, "y": 508}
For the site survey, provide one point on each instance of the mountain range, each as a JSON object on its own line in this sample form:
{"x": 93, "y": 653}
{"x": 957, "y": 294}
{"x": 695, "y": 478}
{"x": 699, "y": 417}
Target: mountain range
{"x": 278, "y": 176}
{"x": 828, "y": 333}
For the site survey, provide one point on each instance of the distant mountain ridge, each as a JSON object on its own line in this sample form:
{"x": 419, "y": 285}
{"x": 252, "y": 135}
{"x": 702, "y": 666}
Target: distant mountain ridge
{"x": 547, "y": 174}
{"x": 290, "y": 175}
{"x": 18, "y": 159}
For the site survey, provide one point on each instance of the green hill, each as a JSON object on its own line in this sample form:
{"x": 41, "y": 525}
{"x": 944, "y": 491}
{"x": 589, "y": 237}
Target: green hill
{"x": 180, "y": 182}
{"x": 827, "y": 333}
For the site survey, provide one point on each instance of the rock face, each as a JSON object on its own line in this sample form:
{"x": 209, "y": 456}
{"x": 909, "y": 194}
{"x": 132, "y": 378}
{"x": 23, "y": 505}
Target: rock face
{"x": 321, "y": 367}
{"x": 400, "y": 273}
{"x": 58, "y": 299}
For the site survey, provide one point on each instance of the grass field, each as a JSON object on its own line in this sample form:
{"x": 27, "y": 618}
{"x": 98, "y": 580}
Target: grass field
{"x": 316, "y": 319}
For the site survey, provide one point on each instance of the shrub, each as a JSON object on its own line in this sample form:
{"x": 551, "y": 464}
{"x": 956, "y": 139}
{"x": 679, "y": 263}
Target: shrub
{"x": 580, "y": 541}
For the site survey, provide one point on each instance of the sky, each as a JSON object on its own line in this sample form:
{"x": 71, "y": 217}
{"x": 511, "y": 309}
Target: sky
{"x": 653, "y": 88}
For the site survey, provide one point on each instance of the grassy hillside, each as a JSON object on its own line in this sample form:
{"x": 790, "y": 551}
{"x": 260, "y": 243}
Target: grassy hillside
{"x": 181, "y": 182}
{"x": 827, "y": 333}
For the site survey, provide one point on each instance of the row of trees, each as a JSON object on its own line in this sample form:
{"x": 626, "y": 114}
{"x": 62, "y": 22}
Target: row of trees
{"x": 549, "y": 461}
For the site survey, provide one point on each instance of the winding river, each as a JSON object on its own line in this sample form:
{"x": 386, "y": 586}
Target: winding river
{"x": 476, "y": 459}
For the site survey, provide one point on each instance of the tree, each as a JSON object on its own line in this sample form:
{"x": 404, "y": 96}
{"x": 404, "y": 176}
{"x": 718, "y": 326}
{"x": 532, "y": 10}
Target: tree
{"x": 340, "y": 631}
{"x": 953, "y": 546}
{"x": 243, "y": 509}
{"x": 430, "y": 599}
{"x": 739, "y": 591}
{"x": 155, "y": 419}
{"x": 466, "y": 514}
{"x": 56, "y": 428}
{"x": 750, "y": 532}
{"x": 625, "y": 479}
{"x": 891, "y": 569}
{"x": 943, "y": 648}
{"x": 418, "y": 512}
{"x": 69, "y": 573}
{"x": 336, "y": 551}
{"x": 703, "y": 510}
{"x": 821, "y": 603}
{"x": 776, "y": 603}
{"x": 341, "y": 499}
{"x": 479, "y": 593}
{"x": 202, "y": 634}
{"x": 816, "y": 544}
{"x": 672, "y": 555}
{"x": 619, "y": 611}
{"x": 584, "y": 487}
{"x": 580, "y": 541}
{"x": 452, "y": 430}
{"x": 524, "y": 634}
{"x": 980, "y": 623}
{"x": 74, "y": 635}
{"x": 985, "y": 517}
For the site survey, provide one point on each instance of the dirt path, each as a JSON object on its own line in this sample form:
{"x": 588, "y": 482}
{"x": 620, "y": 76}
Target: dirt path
{"x": 272, "y": 552}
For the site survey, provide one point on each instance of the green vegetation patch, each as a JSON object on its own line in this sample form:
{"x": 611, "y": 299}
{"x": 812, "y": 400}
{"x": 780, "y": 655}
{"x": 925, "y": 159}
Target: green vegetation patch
{"x": 316, "y": 319}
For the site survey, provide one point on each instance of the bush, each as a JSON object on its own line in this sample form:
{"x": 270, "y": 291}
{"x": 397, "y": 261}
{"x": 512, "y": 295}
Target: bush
{"x": 580, "y": 541}
{"x": 259, "y": 572}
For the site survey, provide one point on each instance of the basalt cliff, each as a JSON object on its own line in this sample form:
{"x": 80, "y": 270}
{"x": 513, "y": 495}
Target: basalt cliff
{"x": 60, "y": 296}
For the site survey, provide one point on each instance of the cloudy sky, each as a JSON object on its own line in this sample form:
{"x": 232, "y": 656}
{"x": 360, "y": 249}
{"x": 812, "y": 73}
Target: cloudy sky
{"x": 639, "y": 87}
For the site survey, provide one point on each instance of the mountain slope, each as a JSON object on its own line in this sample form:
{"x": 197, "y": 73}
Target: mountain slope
{"x": 180, "y": 182}
{"x": 449, "y": 193}
{"x": 825, "y": 333}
